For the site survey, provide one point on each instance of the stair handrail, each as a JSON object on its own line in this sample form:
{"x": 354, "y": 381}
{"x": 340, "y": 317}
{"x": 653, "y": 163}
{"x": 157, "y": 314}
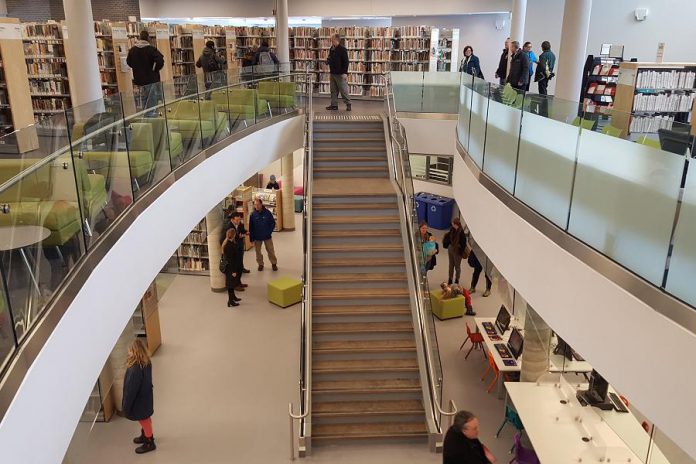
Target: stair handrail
{"x": 398, "y": 138}
{"x": 306, "y": 311}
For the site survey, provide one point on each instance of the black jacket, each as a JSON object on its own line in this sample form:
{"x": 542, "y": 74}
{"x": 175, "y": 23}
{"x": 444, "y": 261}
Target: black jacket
{"x": 234, "y": 264}
{"x": 519, "y": 69}
{"x": 146, "y": 62}
{"x": 263, "y": 49}
{"x": 457, "y": 449}
{"x": 338, "y": 60}
{"x": 273, "y": 185}
{"x": 502, "y": 64}
{"x": 210, "y": 61}
{"x": 241, "y": 231}
{"x": 455, "y": 243}
{"x": 137, "y": 392}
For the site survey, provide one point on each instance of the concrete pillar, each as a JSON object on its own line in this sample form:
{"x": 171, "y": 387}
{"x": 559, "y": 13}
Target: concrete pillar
{"x": 286, "y": 168}
{"x": 537, "y": 343}
{"x": 519, "y": 13}
{"x": 282, "y": 34}
{"x": 3, "y": 8}
{"x": 573, "y": 48}
{"x": 81, "y": 52}
{"x": 213, "y": 221}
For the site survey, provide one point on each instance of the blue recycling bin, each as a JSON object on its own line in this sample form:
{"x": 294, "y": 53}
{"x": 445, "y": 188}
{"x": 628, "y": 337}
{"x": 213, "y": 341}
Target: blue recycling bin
{"x": 439, "y": 212}
{"x": 421, "y": 206}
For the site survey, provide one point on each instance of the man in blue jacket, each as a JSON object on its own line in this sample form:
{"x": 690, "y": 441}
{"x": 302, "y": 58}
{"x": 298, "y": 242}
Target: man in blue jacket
{"x": 261, "y": 225}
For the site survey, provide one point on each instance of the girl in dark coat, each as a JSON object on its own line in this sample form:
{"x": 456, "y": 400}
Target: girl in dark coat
{"x": 233, "y": 271}
{"x": 137, "y": 394}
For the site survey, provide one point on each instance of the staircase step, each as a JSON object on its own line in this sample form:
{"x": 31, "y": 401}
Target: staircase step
{"x": 377, "y": 140}
{"x": 356, "y": 248}
{"x": 357, "y": 327}
{"x": 363, "y": 346}
{"x": 352, "y": 310}
{"x": 355, "y": 233}
{"x": 359, "y": 293}
{"x": 366, "y": 386}
{"x": 351, "y": 169}
{"x": 347, "y": 159}
{"x": 376, "y": 261}
{"x": 349, "y": 131}
{"x": 367, "y": 148}
{"x": 354, "y": 206}
{"x": 368, "y": 430}
{"x": 366, "y": 408}
{"x": 360, "y": 277}
{"x": 364, "y": 365}
{"x": 356, "y": 219}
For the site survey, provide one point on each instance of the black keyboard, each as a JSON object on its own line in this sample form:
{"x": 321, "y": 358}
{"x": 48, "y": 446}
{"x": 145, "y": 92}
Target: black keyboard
{"x": 489, "y": 328}
{"x": 503, "y": 350}
{"x": 618, "y": 404}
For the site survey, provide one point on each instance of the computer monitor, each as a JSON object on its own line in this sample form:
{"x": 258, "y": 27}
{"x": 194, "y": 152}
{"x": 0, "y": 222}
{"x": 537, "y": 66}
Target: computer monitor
{"x": 502, "y": 321}
{"x": 563, "y": 349}
{"x": 675, "y": 141}
{"x": 597, "y": 392}
{"x": 515, "y": 343}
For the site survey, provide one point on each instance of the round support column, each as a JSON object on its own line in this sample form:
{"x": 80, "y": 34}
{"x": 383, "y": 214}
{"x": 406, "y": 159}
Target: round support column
{"x": 81, "y": 52}
{"x": 286, "y": 168}
{"x": 573, "y": 49}
{"x": 537, "y": 343}
{"x": 282, "y": 33}
{"x": 213, "y": 222}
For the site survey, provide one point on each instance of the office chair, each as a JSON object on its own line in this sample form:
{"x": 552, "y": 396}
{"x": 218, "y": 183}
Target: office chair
{"x": 523, "y": 455}
{"x": 476, "y": 341}
{"x": 511, "y": 417}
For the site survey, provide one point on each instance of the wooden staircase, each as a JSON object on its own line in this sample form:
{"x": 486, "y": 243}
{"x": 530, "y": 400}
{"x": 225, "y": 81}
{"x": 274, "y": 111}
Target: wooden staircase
{"x": 365, "y": 375}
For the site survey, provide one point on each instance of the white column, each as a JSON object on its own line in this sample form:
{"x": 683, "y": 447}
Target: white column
{"x": 282, "y": 34}
{"x": 3, "y": 8}
{"x": 81, "y": 52}
{"x": 519, "y": 12}
{"x": 287, "y": 169}
{"x": 213, "y": 222}
{"x": 537, "y": 343}
{"x": 573, "y": 48}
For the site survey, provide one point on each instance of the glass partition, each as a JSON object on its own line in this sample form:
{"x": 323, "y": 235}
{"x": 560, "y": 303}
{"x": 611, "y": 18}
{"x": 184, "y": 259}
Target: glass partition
{"x": 464, "y": 120}
{"x": 682, "y": 265}
{"x": 440, "y": 92}
{"x": 479, "y": 114}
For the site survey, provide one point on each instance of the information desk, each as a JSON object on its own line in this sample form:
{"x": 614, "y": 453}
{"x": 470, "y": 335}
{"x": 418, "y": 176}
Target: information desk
{"x": 557, "y": 363}
{"x": 563, "y": 431}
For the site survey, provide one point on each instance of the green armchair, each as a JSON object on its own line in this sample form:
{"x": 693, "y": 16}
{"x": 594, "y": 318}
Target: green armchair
{"x": 278, "y": 94}
{"x": 241, "y": 104}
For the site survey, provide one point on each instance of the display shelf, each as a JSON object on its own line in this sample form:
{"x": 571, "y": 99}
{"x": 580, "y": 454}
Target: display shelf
{"x": 105, "y": 57}
{"x": 192, "y": 254}
{"x": 16, "y": 103}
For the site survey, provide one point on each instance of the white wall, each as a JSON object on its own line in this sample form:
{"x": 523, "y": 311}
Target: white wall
{"x": 41, "y": 419}
{"x": 602, "y": 321}
{"x": 430, "y": 136}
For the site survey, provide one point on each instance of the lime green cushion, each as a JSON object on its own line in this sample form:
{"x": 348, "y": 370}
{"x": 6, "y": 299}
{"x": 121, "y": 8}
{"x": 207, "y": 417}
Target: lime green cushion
{"x": 446, "y": 309}
{"x": 285, "y": 291}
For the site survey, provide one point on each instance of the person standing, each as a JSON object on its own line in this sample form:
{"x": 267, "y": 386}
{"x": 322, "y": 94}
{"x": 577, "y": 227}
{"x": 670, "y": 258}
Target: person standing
{"x": 264, "y": 56}
{"x": 233, "y": 268}
{"x": 519, "y": 67}
{"x": 261, "y": 225}
{"x": 462, "y": 444}
{"x": 137, "y": 402}
{"x": 470, "y": 64}
{"x": 501, "y": 72}
{"x": 478, "y": 268}
{"x": 213, "y": 65}
{"x": 545, "y": 67}
{"x": 426, "y": 237}
{"x": 455, "y": 243}
{"x": 338, "y": 79}
{"x": 240, "y": 233}
{"x": 146, "y": 62}
{"x": 527, "y": 48}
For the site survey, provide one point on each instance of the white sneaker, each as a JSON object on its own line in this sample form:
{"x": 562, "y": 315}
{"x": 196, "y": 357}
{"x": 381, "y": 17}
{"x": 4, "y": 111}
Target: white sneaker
{"x": 486, "y": 293}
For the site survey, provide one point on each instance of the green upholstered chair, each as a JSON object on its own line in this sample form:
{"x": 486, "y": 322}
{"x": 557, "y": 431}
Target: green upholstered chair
{"x": 192, "y": 118}
{"x": 285, "y": 291}
{"x": 213, "y": 122}
{"x": 139, "y": 158}
{"x": 173, "y": 150}
{"x": 587, "y": 124}
{"x": 645, "y": 140}
{"x": 92, "y": 191}
{"x": 278, "y": 94}
{"x": 449, "y": 308}
{"x": 512, "y": 97}
{"x": 611, "y": 130}
{"x": 241, "y": 104}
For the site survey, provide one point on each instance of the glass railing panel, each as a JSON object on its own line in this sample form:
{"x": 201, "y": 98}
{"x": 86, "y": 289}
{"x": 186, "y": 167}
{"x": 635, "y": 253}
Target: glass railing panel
{"x": 502, "y": 134}
{"x": 7, "y": 337}
{"x": 624, "y": 200}
{"x": 663, "y": 449}
{"x": 682, "y": 265}
{"x": 479, "y": 114}
{"x": 183, "y": 117}
{"x": 215, "y": 115}
{"x": 408, "y": 90}
{"x": 548, "y": 145}
{"x": 464, "y": 120}
{"x": 440, "y": 92}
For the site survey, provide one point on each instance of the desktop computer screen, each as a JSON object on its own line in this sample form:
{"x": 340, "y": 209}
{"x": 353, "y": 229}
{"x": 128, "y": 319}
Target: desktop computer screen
{"x": 515, "y": 343}
{"x": 598, "y": 388}
{"x": 503, "y": 319}
{"x": 563, "y": 349}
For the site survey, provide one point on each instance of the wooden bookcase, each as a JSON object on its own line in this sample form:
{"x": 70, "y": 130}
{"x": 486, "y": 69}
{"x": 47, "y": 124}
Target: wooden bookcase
{"x": 231, "y": 48}
{"x": 192, "y": 254}
{"x": 160, "y": 38}
{"x": 183, "y": 55}
{"x": 666, "y": 98}
{"x": 249, "y": 37}
{"x": 15, "y": 100}
{"x": 106, "y": 57}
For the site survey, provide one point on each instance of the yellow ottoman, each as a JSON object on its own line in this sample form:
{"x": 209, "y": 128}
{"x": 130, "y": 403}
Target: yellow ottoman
{"x": 285, "y": 291}
{"x": 446, "y": 309}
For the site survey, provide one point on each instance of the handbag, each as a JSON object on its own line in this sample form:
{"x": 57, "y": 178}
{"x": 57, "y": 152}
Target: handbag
{"x": 223, "y": 264}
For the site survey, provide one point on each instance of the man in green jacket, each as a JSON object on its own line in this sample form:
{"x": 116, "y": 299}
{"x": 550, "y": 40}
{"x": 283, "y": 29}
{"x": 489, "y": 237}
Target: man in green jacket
{"x": 545, "y": 67}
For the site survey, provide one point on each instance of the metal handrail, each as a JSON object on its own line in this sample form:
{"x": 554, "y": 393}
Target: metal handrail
{"x": 398, "y": 138}
{"x": 306, "y": 314}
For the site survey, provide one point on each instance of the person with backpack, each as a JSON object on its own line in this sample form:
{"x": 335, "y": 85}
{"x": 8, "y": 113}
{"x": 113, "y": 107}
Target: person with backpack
{"x": 338, "y": 65}
{"x": 212, "y": 64}
{"x": 265, "y": 58}
{"x": 146, "y": 62}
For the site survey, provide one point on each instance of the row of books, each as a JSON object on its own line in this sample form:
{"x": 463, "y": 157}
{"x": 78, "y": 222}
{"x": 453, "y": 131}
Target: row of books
{"x": 254, "y": 31}
{"x": 183, "y": 69}
{"x": 48, "y": 104}
{"x": 193, "y": 251}
{"x": 606, "y": 69}
{"x": 106, "y": 61}
{"x": 47, "y": 87}
{"x": 42, "y": 30}
{"x": 108, "y": 77}
{"x": 44, "y": 67}
{"x": 193, "y": 264}
{"x": 43, "y": 48}
{"x": 102, "y": 28}
{"x": 651, "y": 124}
{"x": 181, "y": 41}
{"x": 663, "y": 102}
{"x": 665, "y": 80}
{"x": 182, "y": 55}
{"x": 104, "y": 44}
{"x": 595, "y": 88}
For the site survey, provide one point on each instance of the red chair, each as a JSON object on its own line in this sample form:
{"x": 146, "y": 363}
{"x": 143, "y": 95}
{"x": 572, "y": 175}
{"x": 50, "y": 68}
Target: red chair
{"x": 476, "y": 341}
{"x": 496, "y": 373}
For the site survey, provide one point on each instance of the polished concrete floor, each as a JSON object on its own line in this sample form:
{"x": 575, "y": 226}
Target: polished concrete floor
{"x": 224, "y": 377}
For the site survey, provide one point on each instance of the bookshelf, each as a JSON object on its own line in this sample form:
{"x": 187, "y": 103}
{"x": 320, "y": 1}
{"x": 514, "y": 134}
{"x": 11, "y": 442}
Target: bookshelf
{"x": 192, "y": 254}
{"x": 160, "y": 39}
{"x": 248, "y": 37}
{"x": 240, "y": 200}
{"x": 231, "y": 47}
{"x": 272, "y": 200}
{"x": 44, "y": 51}
{"x": 15, "y": 100}
{"x": 600, "y": 88}
{"x": 447, "y": 52}
{"x": 652, "y": 96}
{"x": 106, "y": 57}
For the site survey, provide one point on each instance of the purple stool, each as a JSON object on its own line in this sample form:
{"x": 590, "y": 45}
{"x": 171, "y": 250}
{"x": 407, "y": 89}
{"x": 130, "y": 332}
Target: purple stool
{"x": 523, "y": 455}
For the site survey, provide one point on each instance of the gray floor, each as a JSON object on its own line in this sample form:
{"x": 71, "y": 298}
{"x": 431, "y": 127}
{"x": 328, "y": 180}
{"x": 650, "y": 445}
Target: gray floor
{"x": 224, "y": 377}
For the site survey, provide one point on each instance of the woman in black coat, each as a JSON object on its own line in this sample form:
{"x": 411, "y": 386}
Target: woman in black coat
{"x": 425, "y": 237}
{"x": 137, "y": 395}
{"x": 233, "y": 271}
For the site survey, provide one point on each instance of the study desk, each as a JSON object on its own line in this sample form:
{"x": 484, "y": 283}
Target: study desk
{"x": 563, "y": 431}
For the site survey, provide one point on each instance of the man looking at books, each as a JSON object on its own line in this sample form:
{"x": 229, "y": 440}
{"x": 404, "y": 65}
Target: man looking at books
{"x": 338, "y": 65}
{"x": 146, "y": 62}
{"x": 519, "y": 67}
